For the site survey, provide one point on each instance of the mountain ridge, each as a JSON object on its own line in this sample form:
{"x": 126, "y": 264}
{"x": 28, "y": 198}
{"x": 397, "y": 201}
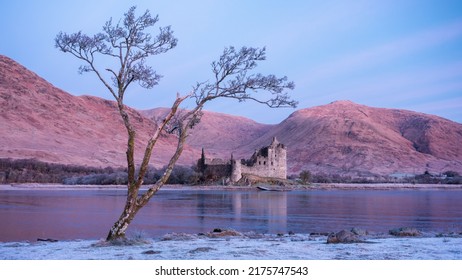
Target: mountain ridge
{"x": 38, "y": 120}
{"x": 352, "y": 139}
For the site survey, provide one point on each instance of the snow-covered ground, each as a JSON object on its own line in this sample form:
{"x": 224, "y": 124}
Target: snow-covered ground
{"x": 244, "y": 246}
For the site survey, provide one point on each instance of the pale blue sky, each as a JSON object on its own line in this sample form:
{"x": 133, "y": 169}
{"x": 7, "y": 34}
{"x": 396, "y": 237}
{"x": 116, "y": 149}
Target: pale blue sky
{"x": 392, "y": 54}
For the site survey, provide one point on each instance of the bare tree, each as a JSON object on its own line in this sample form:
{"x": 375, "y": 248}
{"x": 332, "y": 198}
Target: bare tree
{"x": 129, "y": 43}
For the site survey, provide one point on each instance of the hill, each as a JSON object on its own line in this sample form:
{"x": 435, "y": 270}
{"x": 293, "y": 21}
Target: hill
{"x": 350, "y": 139}
{"x": 40, "y": 121}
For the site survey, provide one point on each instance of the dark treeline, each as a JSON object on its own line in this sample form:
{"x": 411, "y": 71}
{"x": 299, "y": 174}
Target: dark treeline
{"x": 180, "y": 175}
{"x": 448, "y": 177}
{"x": 34, "y": 171}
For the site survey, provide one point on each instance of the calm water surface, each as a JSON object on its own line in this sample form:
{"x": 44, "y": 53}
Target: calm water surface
{"x": 88, "y": 214}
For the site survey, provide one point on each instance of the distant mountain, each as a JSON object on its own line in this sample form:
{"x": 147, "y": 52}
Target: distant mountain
{"x": 340, "y": 138}
{"x": 38, "y": 120}
{"x": 351, "y": 139}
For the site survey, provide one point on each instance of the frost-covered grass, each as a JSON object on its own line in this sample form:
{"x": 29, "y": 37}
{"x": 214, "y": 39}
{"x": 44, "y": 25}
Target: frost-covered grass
{"x": 251, "y": 247}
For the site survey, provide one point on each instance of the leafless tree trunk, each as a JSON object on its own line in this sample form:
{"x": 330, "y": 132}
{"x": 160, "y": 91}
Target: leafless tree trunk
{"x": 129, "y": 45}
{"x": 135, "y": 201}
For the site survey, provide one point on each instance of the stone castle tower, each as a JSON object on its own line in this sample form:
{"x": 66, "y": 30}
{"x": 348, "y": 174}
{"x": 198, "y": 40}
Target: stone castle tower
{"x": 269, "y": 161}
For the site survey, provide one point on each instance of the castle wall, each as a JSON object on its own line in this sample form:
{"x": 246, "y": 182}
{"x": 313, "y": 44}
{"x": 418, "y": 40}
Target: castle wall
{"x": 213, "y": 169}
{"x": 236, "y": 172}
{"x": 270, "y": 161}
{"x": 215, "y": 172}
{"x": 272, "y": 165}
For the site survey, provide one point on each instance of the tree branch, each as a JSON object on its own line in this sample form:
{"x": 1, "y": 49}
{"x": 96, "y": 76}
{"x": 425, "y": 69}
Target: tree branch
{"x": 153, "y": 140}
{"x": 186, "y": 124}
{"x": 232, "y": 80}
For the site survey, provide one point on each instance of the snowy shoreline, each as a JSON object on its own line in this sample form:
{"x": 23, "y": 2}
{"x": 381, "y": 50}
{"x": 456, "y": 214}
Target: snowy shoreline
{"x": 242, "y": 247}
{"x": 315, "y": 186}
{"x": 428, "y": 246}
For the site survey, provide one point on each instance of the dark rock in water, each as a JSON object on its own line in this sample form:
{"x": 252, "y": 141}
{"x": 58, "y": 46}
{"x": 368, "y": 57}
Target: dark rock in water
{"x": 47, "y": 240}
{"x": 319, "y": 234}
{"x": 151, "y": 252}
{"x": 332, "y": 239}
{"x": 355, "y": 235}
{"x": 223, "y": 233}
{"x": 359, "y": 231}
{"x": 291, "y": 233}
{"x": 179, "y": 237}
{"x": 343, "y": 236}
{"x": 405, "y": 231}
{"x": 449, "y": 234}
{"x": 201, "y": 250}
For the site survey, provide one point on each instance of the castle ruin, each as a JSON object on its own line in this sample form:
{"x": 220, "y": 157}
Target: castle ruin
{"x": 269, "y": 161}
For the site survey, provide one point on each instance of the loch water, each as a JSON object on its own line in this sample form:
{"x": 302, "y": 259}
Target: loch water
{"x": 88, "y": 214}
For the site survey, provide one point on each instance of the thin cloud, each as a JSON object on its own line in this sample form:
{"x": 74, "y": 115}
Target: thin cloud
{"x": 449, "y": 108}
{"x": 410, "y": 84}
{"x": 386, "y": 52}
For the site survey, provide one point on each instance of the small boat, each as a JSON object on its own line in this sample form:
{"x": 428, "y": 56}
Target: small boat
{"x": 271, "y": 189}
